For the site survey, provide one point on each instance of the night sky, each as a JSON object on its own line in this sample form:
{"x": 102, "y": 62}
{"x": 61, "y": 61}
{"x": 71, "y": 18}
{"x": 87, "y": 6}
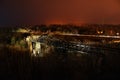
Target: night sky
{"x": 59, "y": 12}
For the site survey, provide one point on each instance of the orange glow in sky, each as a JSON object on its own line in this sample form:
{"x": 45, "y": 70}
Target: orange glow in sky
{"x": 60, "y": 11}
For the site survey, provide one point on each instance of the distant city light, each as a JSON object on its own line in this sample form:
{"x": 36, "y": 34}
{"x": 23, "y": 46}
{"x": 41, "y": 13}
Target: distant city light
{"x": 117, "y": 33}
{"x": 100, "y": 32}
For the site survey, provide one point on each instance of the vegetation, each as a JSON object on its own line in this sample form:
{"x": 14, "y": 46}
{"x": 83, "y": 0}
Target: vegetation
{"x": 18, "y": 64}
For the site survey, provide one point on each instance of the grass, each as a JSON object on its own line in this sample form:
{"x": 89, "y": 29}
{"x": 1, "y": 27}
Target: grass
{"x": 17, "y": 64}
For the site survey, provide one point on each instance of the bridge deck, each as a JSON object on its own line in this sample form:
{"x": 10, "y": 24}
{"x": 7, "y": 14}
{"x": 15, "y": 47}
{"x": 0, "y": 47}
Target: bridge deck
{"x": 90, "y": 37}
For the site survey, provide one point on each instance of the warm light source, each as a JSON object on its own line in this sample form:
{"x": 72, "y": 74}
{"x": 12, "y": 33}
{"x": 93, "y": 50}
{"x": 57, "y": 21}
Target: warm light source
{"x": 117, "y": 33}
{"x": 22, "y": 30}
{"x": 100, "y": 32}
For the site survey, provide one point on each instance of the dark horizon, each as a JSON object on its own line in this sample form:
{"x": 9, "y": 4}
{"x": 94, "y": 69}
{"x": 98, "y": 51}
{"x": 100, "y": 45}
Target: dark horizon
{"x": 79, "y": 25}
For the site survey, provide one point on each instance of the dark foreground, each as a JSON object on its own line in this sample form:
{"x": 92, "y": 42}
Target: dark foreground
{"x": 18, "y": 65}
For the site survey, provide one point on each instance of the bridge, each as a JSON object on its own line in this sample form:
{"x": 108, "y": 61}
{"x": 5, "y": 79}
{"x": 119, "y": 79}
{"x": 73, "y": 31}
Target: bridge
{"x": 69, "y": 37}
{"x": 40, "y": 44}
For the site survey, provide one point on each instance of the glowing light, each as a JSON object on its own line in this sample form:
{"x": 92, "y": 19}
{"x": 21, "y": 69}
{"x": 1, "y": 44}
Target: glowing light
{"x": 117, "y": 33}
{"x": 117, "y": 41}
{"x": 100, "y": 32}
{"x": 22, "y": 30}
